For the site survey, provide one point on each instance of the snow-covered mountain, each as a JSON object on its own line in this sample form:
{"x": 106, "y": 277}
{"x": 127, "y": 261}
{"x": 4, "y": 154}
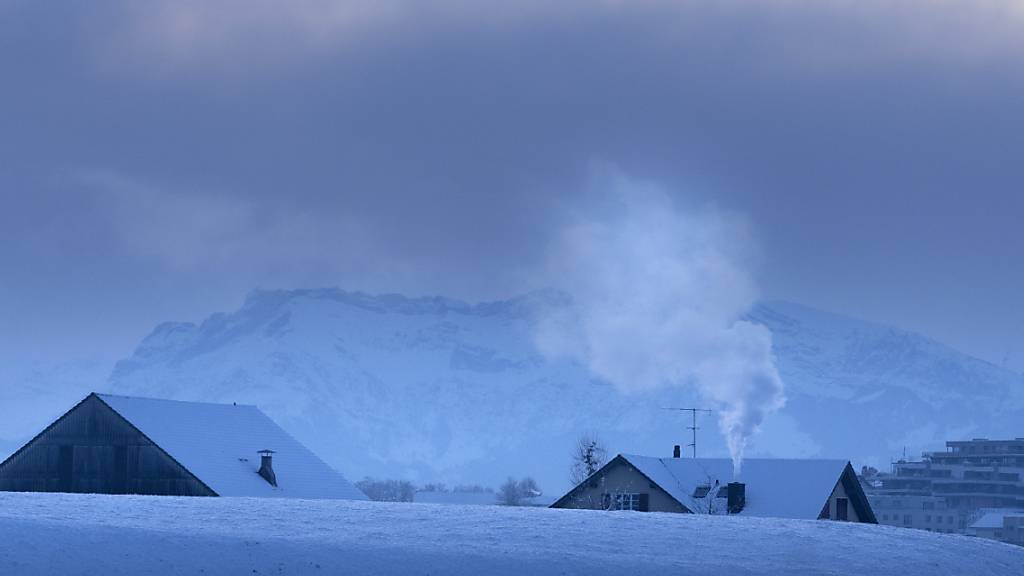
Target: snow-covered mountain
{"x": 427, "y": 389}
{"x": 869, "y": 391}
{"x": 435, "y": 389}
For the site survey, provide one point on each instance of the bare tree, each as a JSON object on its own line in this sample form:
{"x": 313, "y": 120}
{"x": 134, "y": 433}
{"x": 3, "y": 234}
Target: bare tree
{"x": 508, "y": 493}
{"x": 387, "y": 490}
{"x": 587, "y": 457}
{"x": 528, "y": 488}
{"x": 471, "y": 489}
{"x": 514, "y": 493}
{"x": 433, "y": 487}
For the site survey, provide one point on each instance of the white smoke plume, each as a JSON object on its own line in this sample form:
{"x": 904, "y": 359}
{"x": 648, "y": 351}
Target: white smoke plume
{"x": 658, "y": 294}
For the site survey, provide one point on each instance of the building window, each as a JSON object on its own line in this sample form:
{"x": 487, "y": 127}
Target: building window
{"x": 626, "y": 501}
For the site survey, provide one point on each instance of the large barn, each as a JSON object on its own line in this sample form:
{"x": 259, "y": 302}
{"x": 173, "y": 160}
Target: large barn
{"x": 776, "y": 488}
{"x": 121, "y": 445}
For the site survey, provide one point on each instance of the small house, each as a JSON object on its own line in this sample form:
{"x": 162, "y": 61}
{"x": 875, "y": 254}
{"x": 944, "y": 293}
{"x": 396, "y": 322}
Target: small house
{"x": 775, "y": 488}
{"x": 1002, "y": 524}
{"x": 123, "y": 445}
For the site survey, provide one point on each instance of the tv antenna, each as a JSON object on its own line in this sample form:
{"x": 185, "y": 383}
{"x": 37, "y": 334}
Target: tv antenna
{"x": 693, "y": 412}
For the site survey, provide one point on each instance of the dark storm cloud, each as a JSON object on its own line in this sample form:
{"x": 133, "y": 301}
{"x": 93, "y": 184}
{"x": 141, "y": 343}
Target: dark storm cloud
{"x": 161, "y": 159}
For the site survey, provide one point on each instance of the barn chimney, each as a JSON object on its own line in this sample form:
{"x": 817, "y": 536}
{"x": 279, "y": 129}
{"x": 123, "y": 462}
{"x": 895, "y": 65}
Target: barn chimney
{"x": 675, "y": 451}
{"x": 737, "y": 497}
{"x": 267, "y": 466}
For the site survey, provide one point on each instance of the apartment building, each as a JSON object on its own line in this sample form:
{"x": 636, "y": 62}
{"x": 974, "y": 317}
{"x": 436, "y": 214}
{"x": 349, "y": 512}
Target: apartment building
{"x": 947, "y": 491}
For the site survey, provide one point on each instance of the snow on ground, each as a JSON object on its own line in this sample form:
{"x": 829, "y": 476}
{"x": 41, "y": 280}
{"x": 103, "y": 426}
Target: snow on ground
{"x": 132, "y": 535}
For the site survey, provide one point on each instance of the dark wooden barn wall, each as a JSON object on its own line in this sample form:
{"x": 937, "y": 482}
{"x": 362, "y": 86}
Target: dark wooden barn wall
{"x": 93, "y": 450}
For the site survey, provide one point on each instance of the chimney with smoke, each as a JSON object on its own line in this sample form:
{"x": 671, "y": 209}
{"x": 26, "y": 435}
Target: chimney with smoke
{"x": 659, "y": 296}
{"x": 737, "y": 497}
{"x": 267, "y": 466}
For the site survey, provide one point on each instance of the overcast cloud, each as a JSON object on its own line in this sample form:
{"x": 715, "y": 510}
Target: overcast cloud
{"x": 160, "y": 160}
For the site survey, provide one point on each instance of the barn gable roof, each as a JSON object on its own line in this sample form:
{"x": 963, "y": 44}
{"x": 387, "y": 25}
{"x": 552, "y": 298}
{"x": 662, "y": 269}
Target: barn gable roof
{"x": 218, "y": 443}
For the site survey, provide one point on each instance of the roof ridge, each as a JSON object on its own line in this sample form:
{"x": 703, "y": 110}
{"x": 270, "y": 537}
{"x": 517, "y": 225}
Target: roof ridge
{"x": 745, "y": 459}
{"x": 152, "y": 399}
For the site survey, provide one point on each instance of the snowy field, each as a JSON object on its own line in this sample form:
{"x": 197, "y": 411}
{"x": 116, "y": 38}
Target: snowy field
{"x": 113, "y": 535}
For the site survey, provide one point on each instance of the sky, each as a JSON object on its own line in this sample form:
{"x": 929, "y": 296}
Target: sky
{"x": 162, "y": 159}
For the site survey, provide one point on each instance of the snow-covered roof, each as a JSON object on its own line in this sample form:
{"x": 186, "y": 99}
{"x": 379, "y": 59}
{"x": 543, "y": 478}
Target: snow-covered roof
{"x": 993, "y": 518}
{"x": 775, "y": 488}
{"x": 218, "y": 443}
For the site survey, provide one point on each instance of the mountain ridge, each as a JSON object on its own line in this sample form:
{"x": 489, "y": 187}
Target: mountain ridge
{"x": 433, "y": 388}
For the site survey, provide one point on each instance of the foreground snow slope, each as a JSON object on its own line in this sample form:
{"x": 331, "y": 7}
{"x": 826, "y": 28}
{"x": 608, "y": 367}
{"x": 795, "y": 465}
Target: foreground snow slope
{"x": 112, "y": 535}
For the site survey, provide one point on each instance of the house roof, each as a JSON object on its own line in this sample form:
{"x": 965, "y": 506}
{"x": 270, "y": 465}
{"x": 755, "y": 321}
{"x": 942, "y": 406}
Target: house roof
{"x": 218, "y": 443}
{"x": 776, "y": 488}
{"x": 993, "y": 518}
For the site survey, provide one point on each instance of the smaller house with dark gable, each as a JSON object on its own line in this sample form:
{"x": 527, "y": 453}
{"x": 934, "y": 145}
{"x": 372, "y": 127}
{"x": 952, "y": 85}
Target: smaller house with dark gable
{"x": 122, "y": 445}
{"x": 774, "y": 488}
